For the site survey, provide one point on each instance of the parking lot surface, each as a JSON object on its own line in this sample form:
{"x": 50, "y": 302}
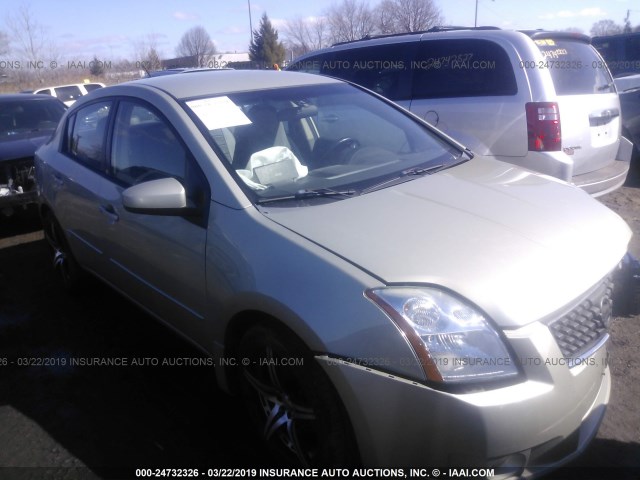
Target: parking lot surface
{"x": 64, "y": 414}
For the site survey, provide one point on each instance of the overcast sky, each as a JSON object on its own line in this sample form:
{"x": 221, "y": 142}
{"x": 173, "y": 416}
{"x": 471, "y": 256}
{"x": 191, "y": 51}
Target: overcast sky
{"x": 111, "y": 28}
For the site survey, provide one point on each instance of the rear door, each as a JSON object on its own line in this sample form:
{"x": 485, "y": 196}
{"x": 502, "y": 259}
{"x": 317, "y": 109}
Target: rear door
{"x": 587, "y": 100}
{"x": 78, "y": 179}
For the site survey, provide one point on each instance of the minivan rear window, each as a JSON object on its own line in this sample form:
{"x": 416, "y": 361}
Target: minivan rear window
{"x": 576, "y": 68}
{"x": 462, "y": 68}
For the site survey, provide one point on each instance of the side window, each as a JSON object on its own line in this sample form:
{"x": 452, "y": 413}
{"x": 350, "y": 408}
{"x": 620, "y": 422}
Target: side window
{"x": 90, "y": 87}
{"x": 311, "y": 65}
{"x": 144, "y": 146}
{"x": 622, "y": 53}
{"x": 382, "y": 68}
{"x": 86, "y": 134}
{"x": 462, "y": 68}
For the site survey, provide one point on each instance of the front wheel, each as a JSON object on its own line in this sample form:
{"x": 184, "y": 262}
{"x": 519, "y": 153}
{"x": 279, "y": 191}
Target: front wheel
{"x": 291, "y": 401}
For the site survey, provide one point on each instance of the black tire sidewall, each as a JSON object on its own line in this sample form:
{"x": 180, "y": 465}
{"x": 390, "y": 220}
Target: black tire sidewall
{"x": 72, "y": 278}
{"x": 335, "y": 441}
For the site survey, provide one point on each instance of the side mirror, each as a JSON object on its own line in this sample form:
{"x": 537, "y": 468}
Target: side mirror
{"x": 165, "y": 196}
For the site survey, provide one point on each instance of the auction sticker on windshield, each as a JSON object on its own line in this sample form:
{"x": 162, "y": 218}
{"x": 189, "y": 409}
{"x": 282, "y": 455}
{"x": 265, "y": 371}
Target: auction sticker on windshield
{"x": 218, "y": 112}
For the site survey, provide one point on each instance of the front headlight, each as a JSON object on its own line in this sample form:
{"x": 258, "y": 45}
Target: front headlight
{"x": 453, "y": 341}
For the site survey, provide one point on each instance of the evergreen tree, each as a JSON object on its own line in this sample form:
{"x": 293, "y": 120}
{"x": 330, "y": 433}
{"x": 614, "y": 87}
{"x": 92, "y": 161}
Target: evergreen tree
{"x": 96, "y": 67}
{"x": 265, "y": 47}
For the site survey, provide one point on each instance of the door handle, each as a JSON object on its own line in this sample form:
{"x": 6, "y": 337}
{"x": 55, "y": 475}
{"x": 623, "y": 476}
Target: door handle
{"x": 604, "y": 117}
{"x": 110, "y": 213}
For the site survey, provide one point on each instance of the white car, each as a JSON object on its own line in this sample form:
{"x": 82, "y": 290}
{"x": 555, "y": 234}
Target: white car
{"x": 68, "y": 94}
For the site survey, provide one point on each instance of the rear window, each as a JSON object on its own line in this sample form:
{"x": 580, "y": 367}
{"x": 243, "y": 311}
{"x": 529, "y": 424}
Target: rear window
{"x": 576, "y": 67}
{"x": 462, "y": 68}
{"x": 90, "y": 87}
{"x": 69, "y": 93}
{"x": 28, "y": 115}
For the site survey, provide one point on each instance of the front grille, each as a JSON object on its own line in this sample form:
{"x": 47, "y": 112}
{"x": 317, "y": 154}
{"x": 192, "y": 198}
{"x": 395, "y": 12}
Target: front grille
{"x": 584, "y": 326}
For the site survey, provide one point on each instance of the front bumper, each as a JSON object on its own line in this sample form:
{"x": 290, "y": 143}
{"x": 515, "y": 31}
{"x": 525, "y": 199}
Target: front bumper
{"x": 519, "y": 430}
{"x": 16, "y": 199}
{"x": 17, "y": 183}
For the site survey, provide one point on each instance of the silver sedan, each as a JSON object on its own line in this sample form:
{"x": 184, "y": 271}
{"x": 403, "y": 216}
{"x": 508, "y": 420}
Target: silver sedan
{"x": 374, "y": 292}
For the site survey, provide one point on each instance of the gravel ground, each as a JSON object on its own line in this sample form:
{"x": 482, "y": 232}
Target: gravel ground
{"x": 63, "y": 422}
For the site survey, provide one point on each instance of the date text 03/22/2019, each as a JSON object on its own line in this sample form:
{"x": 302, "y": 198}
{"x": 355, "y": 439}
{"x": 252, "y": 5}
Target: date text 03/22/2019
{"x": 314, "y": 473}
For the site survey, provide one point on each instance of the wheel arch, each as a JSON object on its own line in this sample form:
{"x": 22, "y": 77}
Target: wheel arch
{"x": 238, "y": 326}
{"x": 242, "y": 327}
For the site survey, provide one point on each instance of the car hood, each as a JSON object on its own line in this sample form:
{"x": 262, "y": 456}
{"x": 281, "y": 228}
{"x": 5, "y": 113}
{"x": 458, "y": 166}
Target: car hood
{"x": 518, "y": 245}
{"x": 22, "y": 145}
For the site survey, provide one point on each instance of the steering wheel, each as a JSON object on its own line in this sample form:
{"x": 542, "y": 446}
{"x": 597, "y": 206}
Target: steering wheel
{"x": 346, "y": 143}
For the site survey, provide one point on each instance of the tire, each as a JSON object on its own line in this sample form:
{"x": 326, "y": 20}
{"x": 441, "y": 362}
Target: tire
{"x": 65, "y": 265}
{"x": 294, "y": 406}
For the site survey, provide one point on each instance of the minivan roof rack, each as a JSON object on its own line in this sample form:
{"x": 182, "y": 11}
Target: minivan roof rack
{"x": 438, "y": 28}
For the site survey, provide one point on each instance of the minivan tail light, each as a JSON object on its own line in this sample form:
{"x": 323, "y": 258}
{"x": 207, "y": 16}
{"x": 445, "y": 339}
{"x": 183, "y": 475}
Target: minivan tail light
{"x": 543, "y": 127}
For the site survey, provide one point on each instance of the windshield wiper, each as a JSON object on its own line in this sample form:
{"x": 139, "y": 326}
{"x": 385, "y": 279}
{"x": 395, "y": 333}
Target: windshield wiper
{"x": 608, "y": 86}
{"x": 405, "y": 176}
{"x": 423, "y": 170}
{"x": 306, "y": 194}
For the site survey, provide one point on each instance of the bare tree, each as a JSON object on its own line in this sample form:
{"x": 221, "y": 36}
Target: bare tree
{"x": 146, "y": 53}
{"x": 605, "y": 27}
{"x": 573, "y": 30}
{"x": 196, "y": 42}
{"x": 27, "y": 35}
{"x": 350, "y": 20}
{"x": 4, "y": 43}
{"x": 30, "y": 40}
{"x": 305, "y": 34}
{"x": 627, "y": 24}
{"x": 399, "y": 16}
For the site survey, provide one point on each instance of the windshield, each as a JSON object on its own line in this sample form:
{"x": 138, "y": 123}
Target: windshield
{"x": 28, "y": 115}
{"x": 285, "y": 141}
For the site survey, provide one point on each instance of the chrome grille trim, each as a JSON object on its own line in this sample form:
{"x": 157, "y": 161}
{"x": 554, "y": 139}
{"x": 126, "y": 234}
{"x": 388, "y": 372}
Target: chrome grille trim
{"x": 583, "y": 330}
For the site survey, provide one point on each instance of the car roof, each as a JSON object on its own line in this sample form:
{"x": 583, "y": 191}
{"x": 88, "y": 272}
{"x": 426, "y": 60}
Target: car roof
{"x": 203, "y": 83}
{"x": 617, "y": 35}
{"x": 70, "y": 85}
{"x": 442, "y": 33}
{"x": 23, "y": 97}
{"x": 436, "y": 33}
{"x": 417, "y": 34}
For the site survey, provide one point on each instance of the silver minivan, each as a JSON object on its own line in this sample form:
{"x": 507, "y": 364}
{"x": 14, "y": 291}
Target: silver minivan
{"x": 542, "y": 100}
{"x": 375, "y": 293}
